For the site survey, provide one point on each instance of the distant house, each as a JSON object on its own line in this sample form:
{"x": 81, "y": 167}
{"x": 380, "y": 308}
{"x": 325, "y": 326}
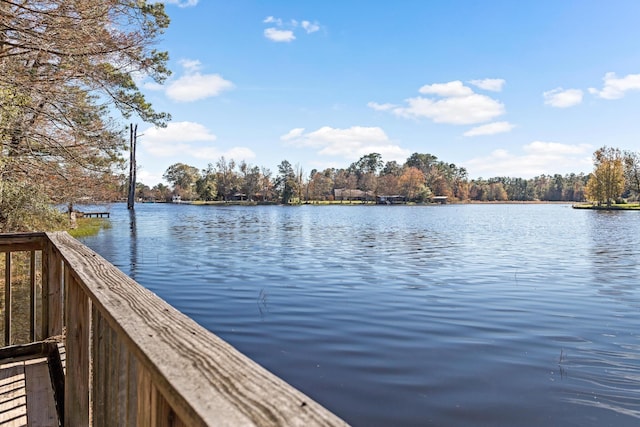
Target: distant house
{"x": 439, "y": 199}
{"x": 352, "y": 194}
{"x": 391, "y": 200}
{"x": 239, "y": 197}
{"x": 176, "y": 199}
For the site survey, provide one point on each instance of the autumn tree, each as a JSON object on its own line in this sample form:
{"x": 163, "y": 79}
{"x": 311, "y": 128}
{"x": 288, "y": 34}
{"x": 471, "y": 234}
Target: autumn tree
{"x": 65, "y": 68}
{"x": 412, "y": 183}
{"x": 606, "y": 182}
{"x": 632, "y": 173}
{"x": 183, "y": 178}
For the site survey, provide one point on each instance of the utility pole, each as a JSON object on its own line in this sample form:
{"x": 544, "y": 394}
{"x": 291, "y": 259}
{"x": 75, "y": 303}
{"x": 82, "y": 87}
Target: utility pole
{"x": 133, "y": 135}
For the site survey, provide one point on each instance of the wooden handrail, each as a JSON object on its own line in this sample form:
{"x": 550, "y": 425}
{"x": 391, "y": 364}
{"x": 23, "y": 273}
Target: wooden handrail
{"x": 132, "y": 359}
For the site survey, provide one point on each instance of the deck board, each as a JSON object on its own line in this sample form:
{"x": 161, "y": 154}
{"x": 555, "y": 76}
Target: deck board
{"x": 41, "y": 406}
{"x": 13, "y": 397}
{"x": 26, "y": 393}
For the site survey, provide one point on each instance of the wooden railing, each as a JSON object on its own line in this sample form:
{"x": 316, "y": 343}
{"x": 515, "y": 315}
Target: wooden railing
{"x": 131, "y": 358}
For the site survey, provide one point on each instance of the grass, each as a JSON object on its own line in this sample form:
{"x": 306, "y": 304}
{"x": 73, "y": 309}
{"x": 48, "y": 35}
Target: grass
{"x": 613, "y": 207}
{"x": 89, "y": 227}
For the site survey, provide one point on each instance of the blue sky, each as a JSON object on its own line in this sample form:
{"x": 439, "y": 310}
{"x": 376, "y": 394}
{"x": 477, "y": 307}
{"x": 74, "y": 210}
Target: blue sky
{"x": 502, "y": 88}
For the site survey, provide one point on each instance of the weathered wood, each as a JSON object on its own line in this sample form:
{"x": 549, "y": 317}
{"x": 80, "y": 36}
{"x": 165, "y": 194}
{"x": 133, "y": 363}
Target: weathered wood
{"x": 32, "y": 296}
{"x": 13, "y": 399}
{"x": 203, "y": 379}
{"x": 52, "y": 294}
{"x": 22, "y": 242}
{"x": 100, "y": 368}
{"x": 77, "y": 383}
{"x": 41, "y": 406}
{"x": 7, "y": 298}
{"x": 134, "y": 359}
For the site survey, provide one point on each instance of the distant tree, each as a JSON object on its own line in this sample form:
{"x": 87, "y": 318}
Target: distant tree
{"x": 161, "y": 192}
{"x": 412, "y": 183}
{"x": 206, "y": 186}
{"x": 266, "y": 186}
{"x": 391, "y": 168}
{"x": 606, "y": 182}
{"x": 632, "y": 172}
{"x": 183, "y": 178}
{"x": 227, "y": 179}
{"x": 320, "y": 186}
{"x": 286, "y": 182}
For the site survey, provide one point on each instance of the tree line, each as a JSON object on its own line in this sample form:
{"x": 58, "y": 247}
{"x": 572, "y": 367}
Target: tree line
{"x": 421, "y": 177}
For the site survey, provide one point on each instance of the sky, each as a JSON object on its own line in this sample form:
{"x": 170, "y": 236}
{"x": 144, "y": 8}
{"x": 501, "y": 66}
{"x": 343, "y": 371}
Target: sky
{"x": 499, "y": 87}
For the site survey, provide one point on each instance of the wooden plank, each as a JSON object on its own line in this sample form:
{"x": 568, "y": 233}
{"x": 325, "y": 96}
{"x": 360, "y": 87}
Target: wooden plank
{"x": 129, "y": 375}
{"x": 143, "y": 398}
{"x": 7, "y": 298}
{"x": 76, "y": 392}
{"x": 32, "y": 296}
{"x": 54, "y": 295}
{"x": 13, "y": 400}
{"x": 22, "y": 242}
{"x": 202, "y": 378}
{"x": 41, "y": 406}
{"x": 100, "y": 368}
{"x": 112, "y": 352}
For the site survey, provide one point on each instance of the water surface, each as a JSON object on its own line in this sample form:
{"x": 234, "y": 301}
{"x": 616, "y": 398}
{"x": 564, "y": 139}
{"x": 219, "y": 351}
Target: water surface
{"x": 456, "y": 315}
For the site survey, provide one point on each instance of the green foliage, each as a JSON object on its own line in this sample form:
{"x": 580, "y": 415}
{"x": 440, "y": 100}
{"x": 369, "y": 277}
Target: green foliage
{"x": 607, "y": 181}
{"x": 25, "y": 208}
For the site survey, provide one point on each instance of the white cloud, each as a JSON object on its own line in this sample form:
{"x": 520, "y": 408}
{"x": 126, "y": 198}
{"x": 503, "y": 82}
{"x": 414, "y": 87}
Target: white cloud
{"x": 616, "y": 87}
{"x": 283, "y": 32}
{"x": 277, "y": 35}
{"x": 451, "y": 89}
{"x": 181, "y": 139}
{"x": 193, "y": 85}
{"x": 351, "y": 143}
{"x": 562, "y": 98}
{"x": 272, "y": 20}
{"x": 191, "y": 65}
{"x": 292, "y": 134}
{"x": 537, "y": 158}
{"x": 178, "y": 132}
{"x": 494, "y": 85}
{"x": 452, "y": 103}
{"x": 458, "y": 110}
{"x": 182, "y": 3}
{"x": 381, "y": 107}
{"x": 310, "y": 27}
{"x": 490, "y": 129}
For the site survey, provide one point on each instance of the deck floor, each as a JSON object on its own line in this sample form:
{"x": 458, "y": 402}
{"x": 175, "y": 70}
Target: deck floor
{"x": 26, "y": 392}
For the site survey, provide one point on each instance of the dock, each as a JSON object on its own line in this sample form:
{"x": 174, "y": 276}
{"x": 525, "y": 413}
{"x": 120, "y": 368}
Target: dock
{"x": 94, "y": 214}
{"x": 131, "y": 358}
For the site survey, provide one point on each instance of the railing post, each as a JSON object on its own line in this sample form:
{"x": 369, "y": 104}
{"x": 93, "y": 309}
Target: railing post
{"x": 32, "y": 297}
{"x": 52, "y": 312}
{"x": 7, "y": 298}
{"x": 77, "y": 383}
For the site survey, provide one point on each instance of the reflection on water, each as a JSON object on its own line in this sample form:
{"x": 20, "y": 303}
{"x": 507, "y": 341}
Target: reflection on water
{"x": 460, "y": 315}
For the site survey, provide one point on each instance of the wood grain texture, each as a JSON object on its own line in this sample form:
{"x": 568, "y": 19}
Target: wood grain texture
{"x": 41, "y": 406}
{"x": 76, "y": 390}
{"x": 7, "y": 298}
{"x": 13, "y": 398}
{"x": 202, "y": 379}
{"x": 52, "y": 295}
{"x": 13, "y": 242}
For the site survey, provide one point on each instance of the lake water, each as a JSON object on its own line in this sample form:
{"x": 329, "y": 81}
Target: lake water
{"x": 455, "y": 315}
